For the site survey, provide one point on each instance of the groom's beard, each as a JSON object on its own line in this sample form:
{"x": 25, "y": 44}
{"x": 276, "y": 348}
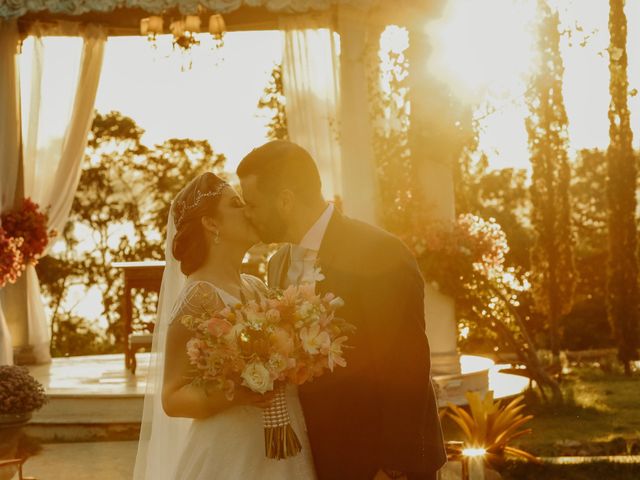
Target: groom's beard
{"x": 274, "y": 229}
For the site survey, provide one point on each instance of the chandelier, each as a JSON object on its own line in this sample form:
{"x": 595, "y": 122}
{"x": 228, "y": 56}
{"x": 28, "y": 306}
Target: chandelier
{"x": 184, "y": 30}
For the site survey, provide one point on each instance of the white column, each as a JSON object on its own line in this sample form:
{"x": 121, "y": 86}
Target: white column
{"x": 358, "y": 162}
{"x": 434, "y": 143}
{"x": 440, "y": 314}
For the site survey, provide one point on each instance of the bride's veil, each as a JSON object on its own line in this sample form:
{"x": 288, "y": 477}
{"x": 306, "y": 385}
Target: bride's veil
{"x": 161, "y": 435}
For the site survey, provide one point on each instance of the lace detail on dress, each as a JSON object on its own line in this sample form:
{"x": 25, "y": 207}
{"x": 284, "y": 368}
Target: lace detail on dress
{"x": 205, "y": 297}
{"x": 197, "y": 298}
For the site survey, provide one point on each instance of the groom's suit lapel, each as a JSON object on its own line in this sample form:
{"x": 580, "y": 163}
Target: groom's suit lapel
{"x": 329, "y": 251}
{"x": 279, "y": 267}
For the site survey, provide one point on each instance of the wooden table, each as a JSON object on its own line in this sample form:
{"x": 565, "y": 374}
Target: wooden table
{"x": 145, "y": 275}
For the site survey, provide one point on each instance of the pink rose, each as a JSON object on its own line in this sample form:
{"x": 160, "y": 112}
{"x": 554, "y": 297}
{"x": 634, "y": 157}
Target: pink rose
{"x": 282, "y": 341}
{"x": 218, "y": 326}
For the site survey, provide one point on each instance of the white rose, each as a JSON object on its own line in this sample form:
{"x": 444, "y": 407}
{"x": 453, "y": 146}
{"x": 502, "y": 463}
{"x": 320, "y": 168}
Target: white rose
{"x": 257, "y": 378}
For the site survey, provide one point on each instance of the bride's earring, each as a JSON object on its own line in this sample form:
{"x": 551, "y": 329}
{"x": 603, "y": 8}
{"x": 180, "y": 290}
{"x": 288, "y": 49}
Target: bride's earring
{"x": 216, "y": 239}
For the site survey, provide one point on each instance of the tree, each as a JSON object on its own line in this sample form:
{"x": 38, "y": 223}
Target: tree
{"x": 273, "y": 99}
{"x": 622, "y": 275}
{"x": 553, "y": 276}
{"x": 586, "y": 326}
{"x": 499, "y": 194}
{"x": 119, "y": 213}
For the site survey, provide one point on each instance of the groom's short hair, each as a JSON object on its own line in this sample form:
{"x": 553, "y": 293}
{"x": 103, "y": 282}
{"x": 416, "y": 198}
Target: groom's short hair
{"x": 281, "y": 164}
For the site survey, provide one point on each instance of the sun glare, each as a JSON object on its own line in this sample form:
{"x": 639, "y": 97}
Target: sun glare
{"x": 482, "y": 45}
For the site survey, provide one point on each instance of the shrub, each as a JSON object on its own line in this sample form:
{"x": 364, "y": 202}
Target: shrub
{"x": 19, "y": 391}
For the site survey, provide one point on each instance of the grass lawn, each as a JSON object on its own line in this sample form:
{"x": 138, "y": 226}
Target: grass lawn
{"x": 602, "y": 408}
{"x": 601, "y": 416}
{"x": 600, "y": 471}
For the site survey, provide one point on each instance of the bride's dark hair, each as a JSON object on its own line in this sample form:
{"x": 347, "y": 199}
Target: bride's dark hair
{"x": 198, "y": 199}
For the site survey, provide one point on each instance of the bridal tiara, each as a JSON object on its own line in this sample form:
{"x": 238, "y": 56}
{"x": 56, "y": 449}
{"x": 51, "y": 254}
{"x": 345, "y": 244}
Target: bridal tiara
{"x": 182, "y": 208}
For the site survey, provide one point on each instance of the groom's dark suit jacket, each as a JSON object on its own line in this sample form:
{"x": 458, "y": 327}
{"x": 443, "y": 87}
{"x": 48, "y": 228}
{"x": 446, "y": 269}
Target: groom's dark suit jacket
{"x": 379, "y": 411}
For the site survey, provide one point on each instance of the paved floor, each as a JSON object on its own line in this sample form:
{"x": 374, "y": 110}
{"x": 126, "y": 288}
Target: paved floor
{"x": 110, "y": 461}
{"x": 105, "y": 375}
{"x": 83, "y": 461}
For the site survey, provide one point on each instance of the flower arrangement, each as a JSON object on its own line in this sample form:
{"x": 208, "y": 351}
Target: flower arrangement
{"x": 450, "y": 253}
{"x": 290, "y": 336}
{"x": 20, "y": 393}
{"x": 11, "y": 260}
{"x": 30, "y": 224}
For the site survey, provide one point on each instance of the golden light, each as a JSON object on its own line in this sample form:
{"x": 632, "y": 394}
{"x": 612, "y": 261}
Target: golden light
{"x": 482, "y": 45}
{"x": 474, "y": 452}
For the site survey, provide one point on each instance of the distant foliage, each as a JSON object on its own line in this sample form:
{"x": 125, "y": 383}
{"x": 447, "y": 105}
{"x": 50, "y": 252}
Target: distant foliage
{"x": 398, "y": 188}
{"x": 586, "y": 326}
{"x": 273, "y": 100}
{"x": 119, "y": 213}
{"x": 623, "y": 296}
{"x": 553, "y": 275}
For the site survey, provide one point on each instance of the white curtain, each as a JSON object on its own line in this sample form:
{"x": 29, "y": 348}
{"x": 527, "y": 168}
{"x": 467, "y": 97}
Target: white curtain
{"x": 9, "y": 144}
{"x": 52, "y": 170}
{"x": 55, "y": 129}
{"x": 310, "y": 79}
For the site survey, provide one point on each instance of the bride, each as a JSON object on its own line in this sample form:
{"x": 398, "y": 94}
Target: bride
{"x": 188, "y": 433}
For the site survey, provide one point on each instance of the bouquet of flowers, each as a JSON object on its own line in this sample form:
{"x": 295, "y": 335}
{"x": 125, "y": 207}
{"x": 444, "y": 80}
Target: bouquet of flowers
{"x": 290, "y": 336}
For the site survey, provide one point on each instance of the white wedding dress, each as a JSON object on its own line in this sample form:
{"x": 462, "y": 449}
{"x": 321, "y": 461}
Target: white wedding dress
{"x": 230, "y": 444}
{"x": 226, "y": 446}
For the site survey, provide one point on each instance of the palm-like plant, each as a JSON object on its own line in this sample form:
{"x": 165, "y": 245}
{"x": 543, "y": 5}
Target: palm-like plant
{"x": 492, "y": 426}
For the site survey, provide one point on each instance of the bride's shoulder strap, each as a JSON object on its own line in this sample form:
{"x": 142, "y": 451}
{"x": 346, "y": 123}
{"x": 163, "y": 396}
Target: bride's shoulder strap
{"x": 197, "y": 298}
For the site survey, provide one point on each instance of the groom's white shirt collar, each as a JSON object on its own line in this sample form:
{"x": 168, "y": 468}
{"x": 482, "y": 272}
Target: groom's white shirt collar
{"x": 313, "y": 238}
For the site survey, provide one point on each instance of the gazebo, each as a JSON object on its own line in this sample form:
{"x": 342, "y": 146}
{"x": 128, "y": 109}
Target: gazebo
{"x": 334, "y": 125}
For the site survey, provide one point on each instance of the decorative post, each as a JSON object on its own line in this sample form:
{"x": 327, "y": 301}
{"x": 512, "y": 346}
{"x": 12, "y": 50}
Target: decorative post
{"x": 435, "y": 141}
{"x": 358, "y": 162}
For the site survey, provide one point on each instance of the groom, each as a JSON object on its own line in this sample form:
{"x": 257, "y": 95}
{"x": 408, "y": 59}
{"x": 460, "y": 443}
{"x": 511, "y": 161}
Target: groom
{"x": 376, "y": 418}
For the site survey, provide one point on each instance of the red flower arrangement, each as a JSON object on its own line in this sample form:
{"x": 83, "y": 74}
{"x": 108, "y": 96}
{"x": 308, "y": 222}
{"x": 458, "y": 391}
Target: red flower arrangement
{"x": 11, "y": 262}
{"x": 30, "y": 224}
{"x": 23, "y": 239}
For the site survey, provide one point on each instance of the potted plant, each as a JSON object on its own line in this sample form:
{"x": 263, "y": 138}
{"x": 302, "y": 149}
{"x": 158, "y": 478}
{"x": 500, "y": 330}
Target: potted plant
{"x": 20, "y": 395}
{"x": 491, "y": 426}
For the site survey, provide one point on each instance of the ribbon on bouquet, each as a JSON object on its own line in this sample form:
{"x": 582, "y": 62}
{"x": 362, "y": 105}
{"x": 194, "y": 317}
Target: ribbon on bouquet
{"x": 280, "y": 440}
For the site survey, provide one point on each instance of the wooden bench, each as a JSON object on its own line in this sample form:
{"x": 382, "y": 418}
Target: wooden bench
{"x": 144, "y": 275}
{"x": 147, "y": 275}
